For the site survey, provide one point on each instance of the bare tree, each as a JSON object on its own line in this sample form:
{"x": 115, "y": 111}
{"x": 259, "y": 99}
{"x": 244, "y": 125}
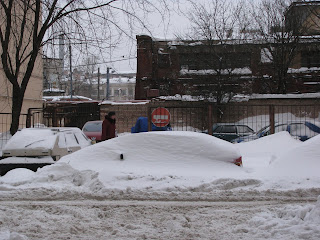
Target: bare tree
{"x": 27, "y": 25}
{"x": 217, "y": 25}
{"x": 280, "y": 35}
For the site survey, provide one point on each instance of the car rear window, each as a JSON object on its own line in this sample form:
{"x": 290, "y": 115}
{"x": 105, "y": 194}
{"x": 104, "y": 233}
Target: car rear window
{"x": 93, "y": 127}
{"x": 244, "y": 129}
{"x": 229, "y": 129}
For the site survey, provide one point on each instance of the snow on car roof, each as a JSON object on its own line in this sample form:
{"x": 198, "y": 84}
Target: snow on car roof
{"x": 45, "y": 138}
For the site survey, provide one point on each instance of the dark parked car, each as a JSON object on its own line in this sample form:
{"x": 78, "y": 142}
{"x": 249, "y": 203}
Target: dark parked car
{"x": 229, "y": 132}
{"x": 300, "y": 130}
{"x": 93, "y": 130}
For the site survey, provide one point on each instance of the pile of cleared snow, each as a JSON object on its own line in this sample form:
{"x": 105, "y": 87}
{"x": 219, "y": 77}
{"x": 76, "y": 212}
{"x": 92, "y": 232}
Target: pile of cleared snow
{"x": 301, "y": 161}
{"x": 18, "y": 175}
{"x": 57, "y": 175}
{"x": 7, "y": 235}
{"x": 292, "y": 222}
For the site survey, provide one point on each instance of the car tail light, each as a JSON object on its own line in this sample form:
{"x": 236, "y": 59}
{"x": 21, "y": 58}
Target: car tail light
{"x": 238, "y": 162}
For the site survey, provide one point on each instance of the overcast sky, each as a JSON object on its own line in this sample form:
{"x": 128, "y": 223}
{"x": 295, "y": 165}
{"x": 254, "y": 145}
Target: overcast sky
{"x": 164, "y": 26}
{"x": 173, "y": 24}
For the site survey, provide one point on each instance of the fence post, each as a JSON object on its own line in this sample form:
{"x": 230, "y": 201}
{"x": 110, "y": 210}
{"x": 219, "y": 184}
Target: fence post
{"x": 210, "y": 119}
{"x": 28, "y": 121}
{"x": 271, "y": 118}
{"x": 54, "y": 117}
{"x": 149, "y": 119}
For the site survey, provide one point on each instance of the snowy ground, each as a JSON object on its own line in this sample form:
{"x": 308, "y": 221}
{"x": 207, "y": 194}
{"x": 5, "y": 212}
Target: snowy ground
{"x": 274, "y": 196}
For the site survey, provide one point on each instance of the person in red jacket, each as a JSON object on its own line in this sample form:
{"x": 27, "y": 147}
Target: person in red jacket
{"x": 109, "y": 126}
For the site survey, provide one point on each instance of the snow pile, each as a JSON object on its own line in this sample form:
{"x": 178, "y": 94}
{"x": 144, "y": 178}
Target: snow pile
{"x": 7, "y": 235}
{"x": 301, "y": 161}
{"x": 257, "y": 154}
{"x": 270, "y": 145}
{"x": 16, "y": 176}
{"x": 292, "y": 222}
{"x": 57, "y": 175}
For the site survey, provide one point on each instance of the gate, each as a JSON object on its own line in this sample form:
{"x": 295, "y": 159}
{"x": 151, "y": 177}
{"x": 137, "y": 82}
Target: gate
{"x": 184, "y": 117}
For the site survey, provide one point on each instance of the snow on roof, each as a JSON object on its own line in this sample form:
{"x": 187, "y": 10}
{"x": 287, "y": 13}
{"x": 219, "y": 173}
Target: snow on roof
{"x": 235, "y": 71}
{"x": 133, "y": 102}
{"x": 303, "y": 70}
{"x": 178, "y": 97}
{"x": 118, "y": 80}
{"x": 240, "y": 97}
{"x": 65, "y": 98}
{"x": 289, "y": 96}
{"x": 54, "y": 90}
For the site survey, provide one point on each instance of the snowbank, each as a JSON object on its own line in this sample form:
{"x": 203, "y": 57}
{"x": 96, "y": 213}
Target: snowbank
{"x": 291, "y": 222}
{"x": 59, "y": 175}
{"x": 271, "y": 145}
{"x": 301, "y": 161}
{"x": 7, "y": 235}
{"x": 257, "y": 154}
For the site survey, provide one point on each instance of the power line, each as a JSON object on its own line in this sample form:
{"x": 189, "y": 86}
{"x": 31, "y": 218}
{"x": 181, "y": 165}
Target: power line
{"x": 91, "y": 64}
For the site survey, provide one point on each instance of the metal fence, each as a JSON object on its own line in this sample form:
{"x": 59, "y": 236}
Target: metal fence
{"x": 5, "y": 122}
{"x": 185, "y": 118}
{"x": 70, "y": 115}
{"x": 299, "y": 120}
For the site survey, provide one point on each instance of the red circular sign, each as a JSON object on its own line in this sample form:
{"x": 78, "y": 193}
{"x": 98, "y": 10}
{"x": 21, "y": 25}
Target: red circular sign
{"x": 160, "y": 117}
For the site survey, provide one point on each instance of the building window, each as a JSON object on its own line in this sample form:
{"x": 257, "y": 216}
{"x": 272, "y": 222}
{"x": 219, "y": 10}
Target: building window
{"x": 310, "y": 59}
{"x": 164, "y": 60}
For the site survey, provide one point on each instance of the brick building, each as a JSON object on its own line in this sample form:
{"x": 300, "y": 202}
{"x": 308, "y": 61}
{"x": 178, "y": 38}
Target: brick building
{"x": 167, "y": 68}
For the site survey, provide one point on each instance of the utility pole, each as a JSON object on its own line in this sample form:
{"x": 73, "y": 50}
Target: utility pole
{"x": 108, "y": 83}
{"x": 70, "y": 58}
{"x": 98, "y": 84}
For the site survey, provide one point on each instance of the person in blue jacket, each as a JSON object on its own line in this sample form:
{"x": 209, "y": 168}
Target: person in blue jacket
{"x": 142, "y": 126}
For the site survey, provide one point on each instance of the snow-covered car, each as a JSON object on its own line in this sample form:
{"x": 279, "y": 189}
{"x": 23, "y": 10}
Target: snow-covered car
{"x": 158, "y": 153}
{"x": 299, "y": 130}
{"x": 40, "y": 142}
{"x": 36, "y": 147}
